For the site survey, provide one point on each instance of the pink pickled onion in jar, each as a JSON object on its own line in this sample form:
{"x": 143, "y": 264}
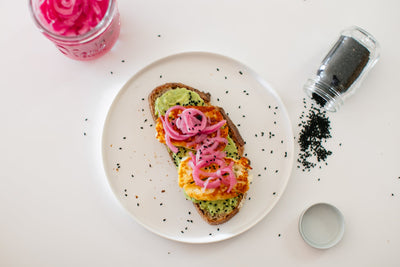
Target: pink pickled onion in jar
{"x": 72, "y": 17}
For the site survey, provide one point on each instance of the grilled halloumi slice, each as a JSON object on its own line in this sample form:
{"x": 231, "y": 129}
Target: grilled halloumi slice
{"x": 240, "y": 168}
{"x": 210, "y": 112}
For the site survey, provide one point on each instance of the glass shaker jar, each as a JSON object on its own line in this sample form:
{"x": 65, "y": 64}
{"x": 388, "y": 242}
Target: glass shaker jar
{"x": 81, "y": 29}
{"x": 343, "y": 68}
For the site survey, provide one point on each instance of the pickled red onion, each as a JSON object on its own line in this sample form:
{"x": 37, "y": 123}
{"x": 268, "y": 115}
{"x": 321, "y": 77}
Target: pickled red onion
{"x": 72, "y": 17}
{"x": 214, "y": 179}
{"x": 207, "y": 155}
{"x": 190, "y": 122}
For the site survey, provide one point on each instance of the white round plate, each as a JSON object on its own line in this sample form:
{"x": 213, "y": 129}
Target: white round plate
{"x": 141, "y": 173}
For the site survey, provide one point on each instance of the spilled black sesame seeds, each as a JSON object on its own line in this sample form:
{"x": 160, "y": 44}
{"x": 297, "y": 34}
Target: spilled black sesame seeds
{"x": 315, "y": 130}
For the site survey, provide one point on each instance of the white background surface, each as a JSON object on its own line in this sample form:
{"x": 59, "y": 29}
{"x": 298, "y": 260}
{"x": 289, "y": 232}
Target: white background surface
{"x": 56, "y": 206}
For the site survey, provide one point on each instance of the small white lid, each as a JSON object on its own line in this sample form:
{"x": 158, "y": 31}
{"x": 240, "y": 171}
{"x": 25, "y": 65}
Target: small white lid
{"x": 321, "y": 225}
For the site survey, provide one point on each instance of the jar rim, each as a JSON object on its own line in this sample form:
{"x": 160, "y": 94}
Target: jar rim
{"x": 333, "y": 100}
{"x": 86, "y": 37}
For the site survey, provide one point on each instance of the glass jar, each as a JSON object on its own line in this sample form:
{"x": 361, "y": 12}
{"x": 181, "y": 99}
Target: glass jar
{"x": 343, "y": 68}
{"x": 88, "y": 45}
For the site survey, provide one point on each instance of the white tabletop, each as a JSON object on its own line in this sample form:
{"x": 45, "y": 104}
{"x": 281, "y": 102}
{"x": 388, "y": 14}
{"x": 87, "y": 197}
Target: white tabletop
{"x": 57, "y": 208}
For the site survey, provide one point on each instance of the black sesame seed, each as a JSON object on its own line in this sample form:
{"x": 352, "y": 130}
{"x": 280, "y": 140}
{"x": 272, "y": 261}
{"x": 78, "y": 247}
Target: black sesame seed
{"x": 240, "y": 72}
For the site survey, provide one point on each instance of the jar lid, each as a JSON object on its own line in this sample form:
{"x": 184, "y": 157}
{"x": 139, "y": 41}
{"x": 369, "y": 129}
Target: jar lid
{"x": 321, "y": 225}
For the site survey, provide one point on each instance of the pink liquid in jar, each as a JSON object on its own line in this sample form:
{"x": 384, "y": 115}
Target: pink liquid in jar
{"x": 81, "y": 29}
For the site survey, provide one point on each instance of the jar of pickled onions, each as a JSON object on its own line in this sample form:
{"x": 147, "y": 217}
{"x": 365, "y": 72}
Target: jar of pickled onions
{"x": 80, "y": 29}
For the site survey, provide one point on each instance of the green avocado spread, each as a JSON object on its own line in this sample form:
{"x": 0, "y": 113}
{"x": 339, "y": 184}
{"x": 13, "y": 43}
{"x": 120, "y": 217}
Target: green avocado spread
{"x": 216, "y": 207}
{"x": 181, "y": 154}
{"x": 231, "y": 149}
{"x": 177, "y": 96}
{"x": 185, "y": 97}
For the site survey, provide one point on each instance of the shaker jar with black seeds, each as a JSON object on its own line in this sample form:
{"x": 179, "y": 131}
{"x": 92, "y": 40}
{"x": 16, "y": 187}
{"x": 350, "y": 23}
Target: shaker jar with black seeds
{"x": 343, "y": 68}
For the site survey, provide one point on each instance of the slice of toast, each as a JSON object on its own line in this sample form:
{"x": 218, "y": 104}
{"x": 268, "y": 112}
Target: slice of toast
{"x": 233, "y": 133}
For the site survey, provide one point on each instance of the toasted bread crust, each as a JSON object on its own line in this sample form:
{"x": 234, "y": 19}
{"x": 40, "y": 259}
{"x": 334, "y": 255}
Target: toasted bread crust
{"x": 233, "y": 132}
